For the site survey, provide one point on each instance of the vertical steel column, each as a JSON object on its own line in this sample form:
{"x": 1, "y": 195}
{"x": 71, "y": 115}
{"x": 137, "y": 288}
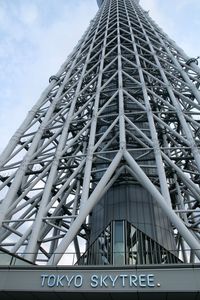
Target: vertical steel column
{"x": 91, "y": 147}
{"x": 122, "y": 133}
{"x": 84, "y": 212}
{"x": 32, "y": 245}
{"x": 155, "y": 142}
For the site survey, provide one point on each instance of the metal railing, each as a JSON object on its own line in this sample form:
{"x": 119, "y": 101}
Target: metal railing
{"x": 99, "y": 258}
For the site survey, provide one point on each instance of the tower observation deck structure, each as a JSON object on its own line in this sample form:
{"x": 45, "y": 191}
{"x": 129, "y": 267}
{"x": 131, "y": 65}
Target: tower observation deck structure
{"x": 105, "y": 169}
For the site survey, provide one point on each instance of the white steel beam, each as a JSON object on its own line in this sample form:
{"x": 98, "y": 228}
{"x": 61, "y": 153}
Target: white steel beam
{"x": 147, "y": 184}
{"x": 86, "y": 209}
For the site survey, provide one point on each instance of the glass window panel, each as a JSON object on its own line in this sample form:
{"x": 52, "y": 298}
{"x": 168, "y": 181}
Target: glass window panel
{"x": 118, "y": 243}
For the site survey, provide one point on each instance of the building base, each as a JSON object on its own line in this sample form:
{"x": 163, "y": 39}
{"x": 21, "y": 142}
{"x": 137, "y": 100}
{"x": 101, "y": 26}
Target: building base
{"x": 84, "y": 283}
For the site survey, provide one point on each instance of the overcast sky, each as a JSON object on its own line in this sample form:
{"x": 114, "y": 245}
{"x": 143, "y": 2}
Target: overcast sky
{"x": 37, "y": 35}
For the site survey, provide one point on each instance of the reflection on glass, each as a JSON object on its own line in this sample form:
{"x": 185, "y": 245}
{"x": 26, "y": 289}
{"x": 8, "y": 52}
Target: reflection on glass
{"x": 118, "y": 243}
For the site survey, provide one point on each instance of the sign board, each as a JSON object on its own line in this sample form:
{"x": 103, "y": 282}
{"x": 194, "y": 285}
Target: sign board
{"x": 100, "y": 280}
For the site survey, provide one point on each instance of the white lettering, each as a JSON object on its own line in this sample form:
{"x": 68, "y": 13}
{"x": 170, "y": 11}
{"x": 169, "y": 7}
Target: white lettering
{"x": 150, "y": 280}
{"x": 102, "y": 281}
{"x": 59, "y": 280}
{"x": 78, "y": 281}
{"x": 113, "y": 280}
{"x": 51, "y": 280}
{"x": 94, "y": 281}
{"x": 133, "y": 280}
{"x": 142, "y": 280}
{"x": 69, "y": 280}
{"x": 123, "y": 279}
{"x": 43, "y": 279}
{"x": 99, "y": 281}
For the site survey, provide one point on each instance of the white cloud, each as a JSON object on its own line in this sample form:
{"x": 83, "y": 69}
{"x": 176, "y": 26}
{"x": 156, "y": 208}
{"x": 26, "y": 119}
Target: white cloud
{"x": 156, "y": 12}
{"x": 28, "y": 14}
{"x": 31, "y": 50}
{"x": 179, "y": 19}
{"x": 2, "y": 14}
{"x": 179, "y": 5}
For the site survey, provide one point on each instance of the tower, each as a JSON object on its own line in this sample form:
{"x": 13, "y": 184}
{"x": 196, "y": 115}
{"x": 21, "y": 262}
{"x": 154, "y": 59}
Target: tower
{"x": 105, "y": 168}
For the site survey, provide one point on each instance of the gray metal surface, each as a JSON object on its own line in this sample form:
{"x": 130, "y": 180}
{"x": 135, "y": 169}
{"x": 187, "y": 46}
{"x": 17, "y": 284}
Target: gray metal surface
{"x": 115, "y": 136}
{"x": 85, "y": 280}
{"x": 133, "y": 203}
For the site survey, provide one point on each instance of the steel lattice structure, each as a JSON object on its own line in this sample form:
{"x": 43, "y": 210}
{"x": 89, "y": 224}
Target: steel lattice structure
{"x": 123, "y": 110}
